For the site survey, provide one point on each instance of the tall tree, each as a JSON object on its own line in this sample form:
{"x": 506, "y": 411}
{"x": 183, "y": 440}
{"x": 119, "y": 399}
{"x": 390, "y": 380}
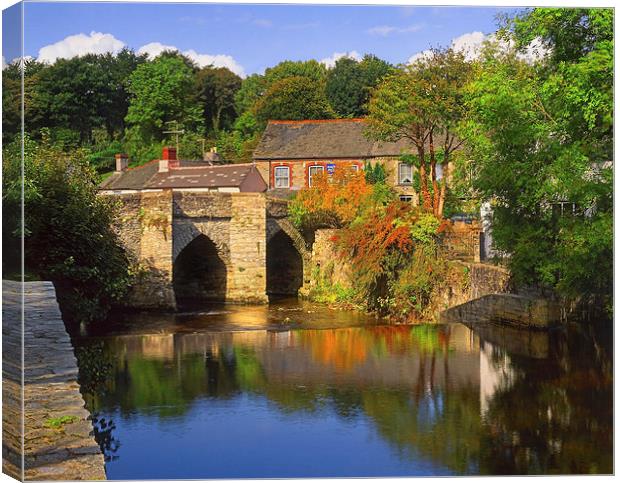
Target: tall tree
{"x": 117, "y": 69}
{"x": 161, "y": 91}
{"x": 70, "y": 94}
{"x": 11, "y": 101}
{"x": 344, "y": 88}
{"x": 542, "y": 140}
{"x": 216, "y": 89}
{"x": 294, "y": 98}
{"x": 349, "y": 84}
{"x": 424, "y": 103}
{"x": 310, "y": 68}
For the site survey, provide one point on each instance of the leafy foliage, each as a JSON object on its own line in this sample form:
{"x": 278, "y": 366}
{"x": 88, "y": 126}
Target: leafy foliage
{"x": 389, "y": 244}
{"x": 540, "y": 136}
{"x": 216, "y": 89}
{"x": 161, "y": 92}
{"x": 349, "y": 84}
{"x": 293, "y": 98}
{"x": 424, "y": 103}
{"x": 67, "y": 228}
{"x": 331, "y": 201}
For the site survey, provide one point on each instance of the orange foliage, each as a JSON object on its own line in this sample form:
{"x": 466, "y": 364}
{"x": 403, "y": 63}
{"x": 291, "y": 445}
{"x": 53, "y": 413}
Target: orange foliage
{"x": 381, "y": 231}
{"x": 339, "y": 196}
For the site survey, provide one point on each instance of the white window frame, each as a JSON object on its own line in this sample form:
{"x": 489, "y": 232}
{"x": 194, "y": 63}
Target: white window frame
{"x": 410, "y": 200}
{"x": 355, "y": 168}
{"x": 310, "y": 168}
{"x": 401, "y": 177}
{"x": 277, "y": 177}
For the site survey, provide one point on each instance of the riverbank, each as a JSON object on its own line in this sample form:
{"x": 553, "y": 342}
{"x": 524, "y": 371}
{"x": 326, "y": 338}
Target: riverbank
{"x": 52, "y": 437}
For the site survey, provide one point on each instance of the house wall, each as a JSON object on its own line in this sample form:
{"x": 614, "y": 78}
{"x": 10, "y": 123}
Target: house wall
{"x": 299, "y": 170}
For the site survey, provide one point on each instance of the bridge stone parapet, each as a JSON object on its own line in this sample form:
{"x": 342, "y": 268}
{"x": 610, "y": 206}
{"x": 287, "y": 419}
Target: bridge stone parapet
{"x": 203, "y": 204}
{"x": 219, "y": 238}
{"x": 277, "y": 207}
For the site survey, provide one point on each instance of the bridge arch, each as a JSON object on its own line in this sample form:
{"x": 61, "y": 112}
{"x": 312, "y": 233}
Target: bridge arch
{"x": 287, "y": 259}
{"x": 200, "y": 262}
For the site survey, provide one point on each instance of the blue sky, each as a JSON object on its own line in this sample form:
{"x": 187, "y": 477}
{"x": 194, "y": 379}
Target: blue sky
{"x": 247, "y": 37}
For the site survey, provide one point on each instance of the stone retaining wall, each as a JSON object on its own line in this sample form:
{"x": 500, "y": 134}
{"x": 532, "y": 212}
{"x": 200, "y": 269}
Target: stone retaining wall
{"x": 324, "y": 266}
{"x": 48, "y": 390}
{"x": 506, "y": 309}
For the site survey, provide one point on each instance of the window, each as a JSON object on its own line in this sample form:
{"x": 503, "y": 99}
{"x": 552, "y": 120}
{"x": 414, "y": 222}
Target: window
{"x": 282, "y": 177}
{"x": 405, "y": 173}
{"x": 406, "y": 198}
{"x": 355, "y": 168}
{"x": 313, "y": 171}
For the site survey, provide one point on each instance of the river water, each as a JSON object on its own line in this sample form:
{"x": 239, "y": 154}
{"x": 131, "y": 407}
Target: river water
{"x": 300, "y": 390}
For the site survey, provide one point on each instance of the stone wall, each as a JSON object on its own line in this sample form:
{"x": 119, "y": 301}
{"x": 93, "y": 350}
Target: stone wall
{"x": 247, "y": 277}
{"x": 461, "y": 241}
{"x": 511, "y": 309}
{"x": 45, "y": 382}
{"x": 324, "y": 266}
{"x": 468, "y": 281}
{"x": 155, "y": 227}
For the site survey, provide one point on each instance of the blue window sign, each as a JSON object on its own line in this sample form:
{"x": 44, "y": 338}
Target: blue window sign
{"x": 331, "y": 167}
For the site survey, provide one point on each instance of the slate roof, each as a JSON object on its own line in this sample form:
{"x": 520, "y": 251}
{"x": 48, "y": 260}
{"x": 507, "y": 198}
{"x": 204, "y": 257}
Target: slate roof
{"x": 132, "y": 178}
{"x": 223, "y": 176}
{"x": 323, "y": 139}
{"x": 189, "y": 174}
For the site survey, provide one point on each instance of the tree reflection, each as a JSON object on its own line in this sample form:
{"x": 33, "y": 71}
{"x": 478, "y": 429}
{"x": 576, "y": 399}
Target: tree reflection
{"x": 429, "y": 390}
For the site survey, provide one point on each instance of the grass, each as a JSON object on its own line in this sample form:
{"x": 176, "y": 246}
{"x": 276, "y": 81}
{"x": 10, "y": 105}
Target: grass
{"x": 59, "y": 422}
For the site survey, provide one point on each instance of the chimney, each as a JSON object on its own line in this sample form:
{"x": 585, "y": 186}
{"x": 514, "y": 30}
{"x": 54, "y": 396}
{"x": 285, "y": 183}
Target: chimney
{"x": 168, "y": 159}
{"x": 122, "y": 162}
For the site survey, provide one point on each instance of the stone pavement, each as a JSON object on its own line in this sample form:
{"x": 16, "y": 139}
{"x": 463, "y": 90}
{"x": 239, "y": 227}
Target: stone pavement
{"x": 50, "y": 391}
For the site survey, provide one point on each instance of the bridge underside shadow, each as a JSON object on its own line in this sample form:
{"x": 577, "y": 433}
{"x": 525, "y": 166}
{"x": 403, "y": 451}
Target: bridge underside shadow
{"x": 199, "y": 273}
{"x": 285, "y": 267}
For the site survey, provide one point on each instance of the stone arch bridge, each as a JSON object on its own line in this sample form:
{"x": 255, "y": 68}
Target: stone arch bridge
{"x": 191, "y": 245}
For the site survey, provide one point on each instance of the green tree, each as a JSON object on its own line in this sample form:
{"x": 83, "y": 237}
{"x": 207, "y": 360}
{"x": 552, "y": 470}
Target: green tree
{"x": 541, "y": 136}
{"x": 216, "y": 89}
{"x": 117, "y": 69}
{"x": 310, "y": 68}
{"x": 67, "y": 228}
{"x": 161, "y": 91}
{"x": 424, "y": 103}
{"x": 349, "y": 84}
{"x": 252, "y": 88}
{"x": 11, "y": 101}
{"x": 294, "y": 98}
{"x": 344, "y": 88}
{"x": 70, "y": 95}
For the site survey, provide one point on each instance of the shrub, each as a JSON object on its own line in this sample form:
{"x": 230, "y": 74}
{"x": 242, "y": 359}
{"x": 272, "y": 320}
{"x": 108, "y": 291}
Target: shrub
{"x": 67, "y": 228}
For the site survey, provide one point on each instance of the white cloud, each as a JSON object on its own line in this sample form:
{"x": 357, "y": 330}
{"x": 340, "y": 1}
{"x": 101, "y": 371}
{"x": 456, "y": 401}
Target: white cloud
{"x": 153, "y": 49}
{"x": 385, "y": 30}
{"x": 17, "y": 60}
{"x": 218, "y": 60}
{"x": 80, "y": 44}
{"x": 419, "y": 56}
{"x": 330, "y": 61}
{"x": 471, "y": 44}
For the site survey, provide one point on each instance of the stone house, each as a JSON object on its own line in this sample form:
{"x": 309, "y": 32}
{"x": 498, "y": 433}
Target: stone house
{"x": 175, "y": 174}
{"x": 290, "y": 153}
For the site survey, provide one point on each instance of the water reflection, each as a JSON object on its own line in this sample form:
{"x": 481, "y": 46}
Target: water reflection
{"x": 422, "y": 400}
